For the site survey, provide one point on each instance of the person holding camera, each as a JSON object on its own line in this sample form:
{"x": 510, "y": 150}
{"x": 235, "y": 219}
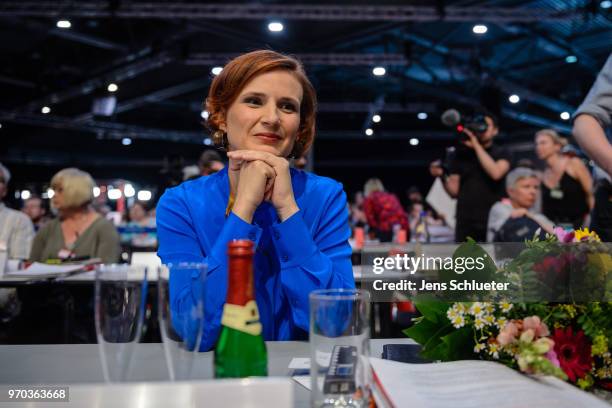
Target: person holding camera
{"x": 475, "y": 176}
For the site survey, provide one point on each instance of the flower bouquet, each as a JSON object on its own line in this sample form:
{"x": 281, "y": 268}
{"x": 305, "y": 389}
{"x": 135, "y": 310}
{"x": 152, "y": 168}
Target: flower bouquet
{"x": 570, "y": 339}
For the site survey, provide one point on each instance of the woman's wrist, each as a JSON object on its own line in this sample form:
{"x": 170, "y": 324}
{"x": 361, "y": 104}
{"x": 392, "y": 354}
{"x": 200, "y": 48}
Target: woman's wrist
{"x": 287, "y": 211}
{"x": 243, "y": 211}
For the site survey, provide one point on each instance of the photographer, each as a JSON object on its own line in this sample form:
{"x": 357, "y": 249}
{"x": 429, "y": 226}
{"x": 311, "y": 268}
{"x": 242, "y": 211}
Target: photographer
{"x": 475, "y": 177}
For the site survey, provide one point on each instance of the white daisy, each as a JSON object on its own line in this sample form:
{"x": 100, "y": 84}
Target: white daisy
{"x": 477, "y": 309}
{"x": 494, "y": 350}
{"x": 479, "y": 347}
{"x": 506, "y": 306}
{"x": 458, "y": 321}
{"x": 479, "y": 323}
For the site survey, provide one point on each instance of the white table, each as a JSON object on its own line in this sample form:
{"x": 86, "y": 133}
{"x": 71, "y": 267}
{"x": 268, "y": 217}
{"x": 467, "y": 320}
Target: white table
{"x": 71, "y": 364}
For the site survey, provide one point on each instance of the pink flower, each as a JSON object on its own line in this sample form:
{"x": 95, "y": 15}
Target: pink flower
{"x": 539, "y": 328}
{"x": 552, "y": 356}
{"x": 508, "y": 334}
{"x": 563, "y": 235}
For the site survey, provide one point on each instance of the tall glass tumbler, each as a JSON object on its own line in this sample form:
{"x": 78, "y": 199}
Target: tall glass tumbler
{"x": 339, "y": 348}
{"x": 120, "y": 301}
{"x": 182, "y": 322}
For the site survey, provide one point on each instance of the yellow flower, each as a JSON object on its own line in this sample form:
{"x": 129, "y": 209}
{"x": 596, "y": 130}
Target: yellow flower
{"x": 600, "y": 345}
{"x": 584, "y": 234}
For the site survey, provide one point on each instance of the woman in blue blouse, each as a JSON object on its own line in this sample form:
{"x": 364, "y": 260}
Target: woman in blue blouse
{"x": 262, "y": 111}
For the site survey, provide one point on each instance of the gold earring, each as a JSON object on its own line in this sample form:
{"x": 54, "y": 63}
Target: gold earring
{"x": 219, "y": 138}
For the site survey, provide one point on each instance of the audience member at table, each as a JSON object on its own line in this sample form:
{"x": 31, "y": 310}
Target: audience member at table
{"x": 567, "y": 194}
{"x": 262, "y": 111}
{"x": 79, "y": 231}
{"x": 357, "y": 215}
{"x": 35, "y": 209}
{"x": 210, "y": 162}
{"x": 383, "y": 211}
{"x": 512, "y": 219}
{"x": 139, "y": 219}
{"x": 16, "y": 229}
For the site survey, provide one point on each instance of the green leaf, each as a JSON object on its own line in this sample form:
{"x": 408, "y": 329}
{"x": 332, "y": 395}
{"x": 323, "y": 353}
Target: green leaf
{"x": 433, "y": 310}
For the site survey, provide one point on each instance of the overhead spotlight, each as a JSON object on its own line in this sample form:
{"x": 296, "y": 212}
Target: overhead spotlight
{"x": 216, "y": 70}
{"x": 50, "y": 193}
{"x": 480, "y": 29}
{"x": 25, "y": 194}
{"x": 63, "y": 24}
{"x": 128, "y": 190}
{"x": 126, "y": 141}
{"x": 565, "y": 115}
{"x": 606, "y": 4}
{"x": 422, "y": 115}
{"x": 0, "y": 125}
{"x": 369, "y": 132}
{"x": 114, "y": 194}
{"x": 514, "y": 98}
{"x": 414, "y": 141}
{"x": 376, "y": 118}
{"x": 112, "y": 87}
{"x": 144, "y": 195}
{"x": 207, "y": 141}
{"x": 275, "y": 27}
{"x": 96, "y": 191}
{"x": 570, "y": 59}
{"x": 379, "y": 71}
{"x": 45, "y": 109}
{"x": 204, "y": 114}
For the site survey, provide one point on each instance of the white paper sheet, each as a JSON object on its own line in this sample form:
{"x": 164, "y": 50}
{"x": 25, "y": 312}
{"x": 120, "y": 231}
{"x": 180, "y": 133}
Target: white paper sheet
{"x": 38, "y": 269}
{"x": 439, "y": 199}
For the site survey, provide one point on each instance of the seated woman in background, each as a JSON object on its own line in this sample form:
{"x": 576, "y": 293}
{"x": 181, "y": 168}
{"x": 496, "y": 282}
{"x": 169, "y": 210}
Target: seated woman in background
{"x": 383, "y": 211}
{"x": 139, "y": 231}
{"x": 567, "y": 187}
{"x": 79, "y": 231}
{"x": 262, "y": 111}
{"x": 512, "y": 220}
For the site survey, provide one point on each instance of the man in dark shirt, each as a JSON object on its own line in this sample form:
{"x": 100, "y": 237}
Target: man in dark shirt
{"x": 476, "y": 178}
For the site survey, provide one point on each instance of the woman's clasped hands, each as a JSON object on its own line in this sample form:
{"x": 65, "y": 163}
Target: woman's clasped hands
{"x": 261, "y": 176}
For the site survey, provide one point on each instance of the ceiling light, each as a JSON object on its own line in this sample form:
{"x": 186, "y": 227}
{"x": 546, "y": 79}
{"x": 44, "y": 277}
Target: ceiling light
{"x": 207, "y": 141}
{"x": 112, "y": 87}
{"x": 45, "y": 109}
{"x": 414, "y": 141}
{"x": 422, "y": 115}
{"x": 480, "y": 29}
{"x": 63, "y": 24}
{"x": 570, "y": 59}
{"x": 114, "y": 194}
{"x": 96, "y": 191}
{"x": 275, "y": 27}
{"x": 379, "y": 71}
{"x": 565, "y": 115}
{"x": 204, "y": 114}
{"x": 50, "y": 193}
{"x": 514, "y": 98}
{"x": 129, "y": 191}
{"x": 25, "y": 194}
{"x": 144, "y": 195}
{"x": 216, "y": 70}
{"x": 376, "y": 118}
{"x": 126, "y": 141}
{"x": 606, "y": 4}
{"x": 369, "y": 132}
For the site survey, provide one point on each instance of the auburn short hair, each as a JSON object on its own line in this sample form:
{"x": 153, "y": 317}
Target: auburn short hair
{"x": 237, "y": 73}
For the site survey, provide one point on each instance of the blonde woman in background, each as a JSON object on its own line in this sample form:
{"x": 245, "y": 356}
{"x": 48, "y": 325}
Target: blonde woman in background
{"x": 567, "y": 194}
{"x": 78, "y": 232}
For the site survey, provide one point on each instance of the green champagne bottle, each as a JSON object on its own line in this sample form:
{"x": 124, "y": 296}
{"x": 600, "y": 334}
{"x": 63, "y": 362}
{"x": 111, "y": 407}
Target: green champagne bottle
{"x": 241, "y": 350}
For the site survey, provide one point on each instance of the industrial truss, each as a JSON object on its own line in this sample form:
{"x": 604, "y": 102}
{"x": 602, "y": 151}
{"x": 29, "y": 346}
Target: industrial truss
{"x": 253, "y": 11}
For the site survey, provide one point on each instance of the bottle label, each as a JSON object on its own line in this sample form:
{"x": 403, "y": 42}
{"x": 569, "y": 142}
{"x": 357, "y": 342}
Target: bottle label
{"x": 243, "y": 318}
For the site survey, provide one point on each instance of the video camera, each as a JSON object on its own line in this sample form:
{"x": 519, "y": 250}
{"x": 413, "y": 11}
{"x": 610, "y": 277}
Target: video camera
{"x": 453, "y": 118}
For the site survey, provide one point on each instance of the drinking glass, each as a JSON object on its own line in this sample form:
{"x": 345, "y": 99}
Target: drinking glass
{"x": 339, "y": 348}
{"x": 181, "y": 323}
{"x": 120, "y": 298}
